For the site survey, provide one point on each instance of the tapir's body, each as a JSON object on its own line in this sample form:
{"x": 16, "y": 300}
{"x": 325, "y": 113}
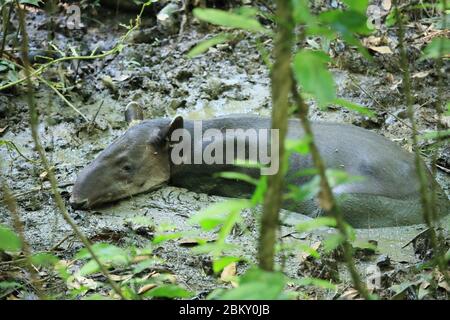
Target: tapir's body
{"x": 388, "y": 194}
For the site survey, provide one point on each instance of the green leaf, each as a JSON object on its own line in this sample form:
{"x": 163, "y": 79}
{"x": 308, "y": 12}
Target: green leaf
{"x": 302, "y": 13}
{"x": 437, "y": 48}
{"x": 166, "y": 236}
{"x": 228, "y": 19}
{"x": 257, "y": 284}
{"x": 44, "y": 259}
{"x": 346, "y": 21}
{"x": 96, "y": 296}
{"x": 168, "y": 291}
{"x": 260, "y": 191}
{"x": 305, "y": 191}
{"x": 310, "y": 71}
{"x": 217, "y": 213}
{"x": 108, "y": 254}
{"x": 219, "y": 264}
{"x": 332, "y": 242}
{"x": 205, "y": 45}
{"x": 146, "y": 264}
{"x": 300, "y": 146}
{"x": 8, "y": 285}
{"x": 9, "y": 241}
{"x": 89, "y": 268}
{"x": 316, "y": 223}
{"x": 354, "y": 107}
{"x": 311, "y": 251}
{"x": 237, "y": 176}
{"x": 104, "y": 251}
{"x": 440, "y": 134}
{"x": 357, "y": 5}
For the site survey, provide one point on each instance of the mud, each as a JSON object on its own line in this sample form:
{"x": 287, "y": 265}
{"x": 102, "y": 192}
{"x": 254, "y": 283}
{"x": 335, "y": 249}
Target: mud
{"x": 229, "y": 78}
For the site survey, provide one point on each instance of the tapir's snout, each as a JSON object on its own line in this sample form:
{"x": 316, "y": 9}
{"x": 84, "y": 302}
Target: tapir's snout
{"x": 78, "y": 203}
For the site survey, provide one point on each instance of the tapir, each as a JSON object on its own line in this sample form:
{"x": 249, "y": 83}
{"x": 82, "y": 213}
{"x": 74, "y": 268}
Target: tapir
{"x": 387, "y": 193}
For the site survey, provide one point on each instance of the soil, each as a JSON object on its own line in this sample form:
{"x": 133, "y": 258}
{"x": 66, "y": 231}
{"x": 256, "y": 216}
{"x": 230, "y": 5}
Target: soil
{"x": 154, "y": 70}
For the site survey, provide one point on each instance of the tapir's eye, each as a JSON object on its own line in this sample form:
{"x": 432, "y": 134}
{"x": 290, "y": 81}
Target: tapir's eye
{"x": 126, "y": 167}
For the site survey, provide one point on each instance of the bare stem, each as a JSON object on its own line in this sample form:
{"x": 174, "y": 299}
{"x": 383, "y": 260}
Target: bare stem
{"x": 281, "y": 84}
{"x": 326, "y": 198}
{"x": 18, "y": 227}
{"x": 51, "y": 176}
{"x": 427, "y": 200}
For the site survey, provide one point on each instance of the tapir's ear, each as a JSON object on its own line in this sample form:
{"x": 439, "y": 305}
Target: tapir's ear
{"x": 176, "y": 123}
{"x": 133, "y": 113}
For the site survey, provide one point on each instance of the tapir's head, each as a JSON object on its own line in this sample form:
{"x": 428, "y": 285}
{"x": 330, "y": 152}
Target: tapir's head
{"x": 137, "y": 161}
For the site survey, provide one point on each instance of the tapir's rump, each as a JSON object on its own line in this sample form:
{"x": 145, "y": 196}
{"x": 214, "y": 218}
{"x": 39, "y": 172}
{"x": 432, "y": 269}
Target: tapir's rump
{"x": 140, "y": 160}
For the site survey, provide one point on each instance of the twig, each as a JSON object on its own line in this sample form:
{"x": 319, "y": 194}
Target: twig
{"x": 5, "y": 31}
{"x": 326, "y": 198}
{"x": 18, "y": 227}
{"x": 51, "y": 176}
{"x": 427, "y": 200}
{"x": 281, "y": 83}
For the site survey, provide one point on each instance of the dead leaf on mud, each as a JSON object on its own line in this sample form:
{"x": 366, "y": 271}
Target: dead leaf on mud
{"x": 77, "y": 281}
{"x": 229, "y": 273}
{"x": 147, "y": 287}
{"x": 120, "y": 277}
{"x": 421, "y": 74}
{"x": 188, "y": 242}
{"x": 381, "y": 49}
{"x": 350, "y": 294}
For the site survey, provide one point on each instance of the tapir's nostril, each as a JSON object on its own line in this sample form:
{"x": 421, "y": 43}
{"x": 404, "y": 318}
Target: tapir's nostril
{"x": 78, "y": 204}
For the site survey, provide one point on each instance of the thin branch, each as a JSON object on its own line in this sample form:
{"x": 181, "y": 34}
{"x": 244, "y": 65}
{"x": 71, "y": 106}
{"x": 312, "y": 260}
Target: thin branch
{"x": 18, "y": 227}
{"x": 51, "y": 176}
{"x": 427, "y": 199}
{"x": 281, "y": 84}
{"x": 326, "y": 198}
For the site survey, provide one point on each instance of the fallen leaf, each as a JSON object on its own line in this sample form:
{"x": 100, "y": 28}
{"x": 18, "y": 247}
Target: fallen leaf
{"x": 146, "y": 288}
{"x": 381, "y": 49}
{"x": 138, "y": 259}
{"x": 120, "y": 277}
{"x": 188, "y": 242}
{"x": 229, "y": 273}
{"x": 350, "y": 294}
{"x": 421, "y": 74}
{"x": 386, "y": 4}
{"x": 3, "y": 129}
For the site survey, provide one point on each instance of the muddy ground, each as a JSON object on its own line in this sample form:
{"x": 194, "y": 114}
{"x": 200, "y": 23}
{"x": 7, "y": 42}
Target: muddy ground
{"x": 154, "y": 70}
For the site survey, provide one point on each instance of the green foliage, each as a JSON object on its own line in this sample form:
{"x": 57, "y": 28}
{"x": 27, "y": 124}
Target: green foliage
{"x": 439, "y": 134}
{"x": 9, "y": 240}
{"x": 168, "y": 291}
{"x": 221, "y": 213}
{"x": 316, "y": 223}
{"x": 354, "y": 107}
{"x": 44, "y": 259}
{"x": 311, "y": 72}
{"x": 108, "y": 254}
{"x": 439, "y": 47}
{"x": 228, "y": 19}
{"x": 219, "y": 264}
{"x": 257, "y": 284}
